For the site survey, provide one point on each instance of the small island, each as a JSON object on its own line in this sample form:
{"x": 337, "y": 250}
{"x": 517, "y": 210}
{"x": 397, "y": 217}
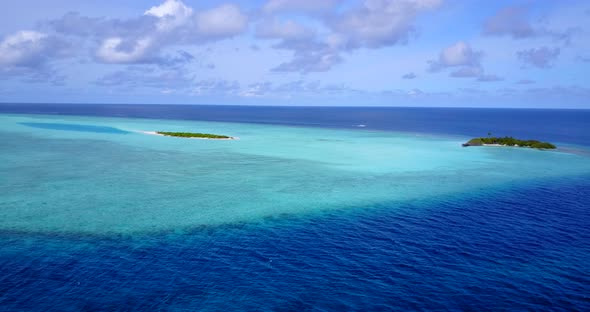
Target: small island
{"x": 195, "y": 135}
{"x": 508, "y": 141}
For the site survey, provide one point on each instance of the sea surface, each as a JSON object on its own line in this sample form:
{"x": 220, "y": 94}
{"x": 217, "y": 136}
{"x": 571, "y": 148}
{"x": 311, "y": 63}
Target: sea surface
{"x": 310, "y": 209}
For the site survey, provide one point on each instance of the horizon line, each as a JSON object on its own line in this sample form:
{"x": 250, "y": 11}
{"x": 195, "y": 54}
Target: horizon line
{"x": 296, "y": 106}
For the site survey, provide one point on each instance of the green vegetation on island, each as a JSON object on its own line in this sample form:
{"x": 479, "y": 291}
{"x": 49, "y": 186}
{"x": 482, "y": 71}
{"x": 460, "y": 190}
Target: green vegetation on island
{"x": 194, "y": 135}
{"x": 509, "y": 141}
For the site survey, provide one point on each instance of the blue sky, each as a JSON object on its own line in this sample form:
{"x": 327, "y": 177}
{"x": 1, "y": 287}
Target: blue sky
{"x": 297, "y": 52}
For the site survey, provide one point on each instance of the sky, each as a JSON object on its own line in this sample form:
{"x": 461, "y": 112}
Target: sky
{"x": 446, "y": 53}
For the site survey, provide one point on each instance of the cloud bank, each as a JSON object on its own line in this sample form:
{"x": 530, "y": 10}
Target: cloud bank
{"x": 296, "y": 48}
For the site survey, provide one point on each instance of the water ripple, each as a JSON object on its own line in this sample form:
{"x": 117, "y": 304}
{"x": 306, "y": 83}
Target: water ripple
{"x": 528, "y": 250}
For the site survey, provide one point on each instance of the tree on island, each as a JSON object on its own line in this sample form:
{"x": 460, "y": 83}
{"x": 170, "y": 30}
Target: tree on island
{"x": 509, "y": 141}
{"x": 194, "y": 135}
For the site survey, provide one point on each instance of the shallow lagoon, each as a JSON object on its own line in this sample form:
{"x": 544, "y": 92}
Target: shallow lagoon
{"x": 63, "y": 177}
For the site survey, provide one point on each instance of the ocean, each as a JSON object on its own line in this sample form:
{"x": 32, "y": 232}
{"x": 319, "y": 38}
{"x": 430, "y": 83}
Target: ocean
{"x": 311, "y": 209}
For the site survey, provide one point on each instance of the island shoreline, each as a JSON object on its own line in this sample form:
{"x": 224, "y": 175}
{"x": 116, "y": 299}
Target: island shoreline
{"x": 164, "y": 135}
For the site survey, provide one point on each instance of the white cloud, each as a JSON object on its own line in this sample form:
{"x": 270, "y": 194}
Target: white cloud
{"x": 314, "y": 60}
{"x": 374, "y": 24}
{"x": 299, "y": 5}
{"x": 169, "y": 24}
{"x": 216, "y": 87}
{"x": 458, "y": 54}
{"x": 223, "y": 21}
{"x": 380, "y": 23}
{"x": 542, "y": 57}
{"x": 171, "y": 14}
{"x": 22, "y": 48}
{"x": 146, "y": 38}
{"x": 294, "y": 88}
{"x": 464, "y": 61}
{"x": 409, "y": 76}
{"x": 27, "y": 54}
{"x": 257, "y": 90}
{"x": 287, "y": 30}
{"x": 509, "y": 21}
{"x": 147, "y": 76}
{"x": 514, "y": 21}
{"x": 111, "y": 50}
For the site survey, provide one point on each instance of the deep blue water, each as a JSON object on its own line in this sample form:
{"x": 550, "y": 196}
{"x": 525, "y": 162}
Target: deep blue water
{"x": 518, "y": 248}
{"x": 558, "y": 125}
{"x": 515, "y": 247}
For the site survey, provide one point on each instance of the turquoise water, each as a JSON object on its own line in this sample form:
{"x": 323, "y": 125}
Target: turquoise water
{"x": 102, "y": 176}
{"x": 96, "y": 215}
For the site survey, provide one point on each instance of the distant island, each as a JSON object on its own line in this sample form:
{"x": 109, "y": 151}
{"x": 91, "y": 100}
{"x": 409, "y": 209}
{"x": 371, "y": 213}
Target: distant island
{"x": 508, "y": 141}
{"x": 195, "y": 135}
